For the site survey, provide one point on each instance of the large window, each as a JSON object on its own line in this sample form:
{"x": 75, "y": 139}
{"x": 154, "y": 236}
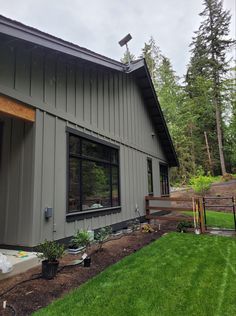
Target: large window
{"x": 93, "y": 180}
{"x": 164, "y": 180}
{"x": 150, "y": 177}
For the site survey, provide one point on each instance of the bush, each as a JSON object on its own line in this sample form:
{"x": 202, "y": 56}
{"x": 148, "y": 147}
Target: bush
{"x": 50, "y": 250}
{"x": 183, "y": 226}
{"x": 81, "y": 239}
{"x": 102, "y": 235}
{"x": 201, "y": 184}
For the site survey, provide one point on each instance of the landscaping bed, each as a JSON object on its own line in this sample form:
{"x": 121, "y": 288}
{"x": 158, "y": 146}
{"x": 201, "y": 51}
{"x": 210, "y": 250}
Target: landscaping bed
{"x": 179, "y": 274}
{"x": 35, "y": 294}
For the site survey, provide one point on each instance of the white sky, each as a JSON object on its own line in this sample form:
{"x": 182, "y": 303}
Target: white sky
{"x": 99, "y": 24}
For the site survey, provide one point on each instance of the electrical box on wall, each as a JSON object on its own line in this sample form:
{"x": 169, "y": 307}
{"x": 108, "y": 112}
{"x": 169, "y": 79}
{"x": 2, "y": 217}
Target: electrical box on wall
{"x": 48, "y": 212}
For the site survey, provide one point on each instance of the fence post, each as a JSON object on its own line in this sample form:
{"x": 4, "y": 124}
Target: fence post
{"x": 233, "y": 200}
{"x": 202, "y": 220}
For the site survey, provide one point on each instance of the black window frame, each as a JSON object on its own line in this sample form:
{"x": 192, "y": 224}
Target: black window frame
{"x": 90, "y": 212}
{"x": 164, "y": 185}
{"x": 149, "y": 160}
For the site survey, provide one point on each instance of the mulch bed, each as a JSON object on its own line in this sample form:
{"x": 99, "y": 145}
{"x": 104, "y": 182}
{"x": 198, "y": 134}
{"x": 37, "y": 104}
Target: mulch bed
{"x": 35, "y": 294}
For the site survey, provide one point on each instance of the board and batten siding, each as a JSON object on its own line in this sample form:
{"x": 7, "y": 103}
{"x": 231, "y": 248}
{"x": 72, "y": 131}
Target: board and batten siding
{"x": 100, "y": 102}
{"x": 16, "y": 178}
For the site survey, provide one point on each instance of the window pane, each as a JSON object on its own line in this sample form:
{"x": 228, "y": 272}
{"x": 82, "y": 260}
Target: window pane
{"x": 150, "y": 189}
{"x": 150, "y": 179}
{"x": 115, "y": 186}
{"x": 96, "y": 185}
{"x": 74, "y": 143}
{"x": 149, "y": 162}
{"x": 114, "y": 156}
{"x": 97, "y": 151}
{"x": 74, "y": 189}
{"x": 164, "y": 180}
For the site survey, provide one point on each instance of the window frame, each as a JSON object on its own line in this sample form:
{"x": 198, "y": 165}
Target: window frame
{"x": 90, "y": 212}
{"x": 168, "y": 183}
{"x": 150, "y": 160}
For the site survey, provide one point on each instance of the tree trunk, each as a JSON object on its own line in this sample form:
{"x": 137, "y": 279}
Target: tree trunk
{"x": 216, "y": 91}
{"x": 209, "y": 154}
{"x": 219, "y": 137}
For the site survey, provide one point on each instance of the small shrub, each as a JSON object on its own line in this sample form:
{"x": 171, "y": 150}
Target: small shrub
{"x": 201, "y": 184}
{"x": 183, "y": 226}
{"x": 146, "y": 228}
{"x": 102, "y": 235}
{"x": 80, "y": 239}
{"x": 50, "y": 250}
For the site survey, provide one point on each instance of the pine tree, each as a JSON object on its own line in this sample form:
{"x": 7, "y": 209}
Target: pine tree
{"x": 213, "y": 36}
{"x": 151, "y": 52}
{"x": 127, "y": 57}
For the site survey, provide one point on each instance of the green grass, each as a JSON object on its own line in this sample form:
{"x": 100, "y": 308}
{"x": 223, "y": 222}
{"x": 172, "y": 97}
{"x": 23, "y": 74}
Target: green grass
{"x": 218, "y": 219}
{"x": 179, "y": 274}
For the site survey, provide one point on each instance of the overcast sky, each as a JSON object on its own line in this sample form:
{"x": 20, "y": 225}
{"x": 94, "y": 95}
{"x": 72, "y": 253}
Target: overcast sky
{"x": 99, "y": 24}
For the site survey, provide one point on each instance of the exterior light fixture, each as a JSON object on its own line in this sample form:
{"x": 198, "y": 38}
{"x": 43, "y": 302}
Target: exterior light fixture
{"x": 124, "y": 41}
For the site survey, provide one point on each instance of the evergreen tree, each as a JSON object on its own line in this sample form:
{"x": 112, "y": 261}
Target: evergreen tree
{"x": 151, "y": 52}
{"x": 177, "y": 111}
{"x": 127, "y": 57}
{"x": 212, "y": 43}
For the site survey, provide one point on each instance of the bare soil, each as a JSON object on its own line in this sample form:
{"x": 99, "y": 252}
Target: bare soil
{"x": 223, "y": 189}
{"x": 34, "y": 294}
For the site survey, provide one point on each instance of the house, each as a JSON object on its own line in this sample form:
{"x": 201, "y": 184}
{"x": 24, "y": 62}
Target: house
{"x": 82, "y": 138}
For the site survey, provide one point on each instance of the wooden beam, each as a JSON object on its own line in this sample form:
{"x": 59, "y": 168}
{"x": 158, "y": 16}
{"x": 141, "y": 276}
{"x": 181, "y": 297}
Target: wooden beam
{"x": 174, "y": 209}
{"x": 16, "y": 109}
{"x": 169, "y": 218}
{"x": 162, "y": 198}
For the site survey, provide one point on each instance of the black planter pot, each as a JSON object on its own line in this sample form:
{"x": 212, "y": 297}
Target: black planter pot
{"x": 87, "y": 262}
{"x": 49, "y": 269}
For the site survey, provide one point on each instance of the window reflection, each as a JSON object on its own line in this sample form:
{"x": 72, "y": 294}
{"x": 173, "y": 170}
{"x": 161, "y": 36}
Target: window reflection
{"x": 93, "y": 175}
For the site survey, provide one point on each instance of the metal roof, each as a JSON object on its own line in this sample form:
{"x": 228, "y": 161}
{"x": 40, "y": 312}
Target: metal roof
{"x": 138, "y": 68}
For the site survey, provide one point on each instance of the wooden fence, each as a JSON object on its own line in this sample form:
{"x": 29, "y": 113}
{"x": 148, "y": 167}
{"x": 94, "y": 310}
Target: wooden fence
{"x": 196, "y": 205}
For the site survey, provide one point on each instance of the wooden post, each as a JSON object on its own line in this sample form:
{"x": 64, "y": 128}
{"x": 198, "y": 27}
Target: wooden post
{"x": 201, "y": 211}
{"x": 234, "y": 208}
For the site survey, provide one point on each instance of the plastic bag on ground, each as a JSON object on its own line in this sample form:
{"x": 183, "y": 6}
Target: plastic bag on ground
{"x": 5, "y": 265}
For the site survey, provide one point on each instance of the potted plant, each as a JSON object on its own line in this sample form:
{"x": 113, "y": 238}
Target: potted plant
{"x": 50, "y": 252}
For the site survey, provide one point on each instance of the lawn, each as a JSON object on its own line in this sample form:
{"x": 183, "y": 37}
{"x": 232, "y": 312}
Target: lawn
{"x": 179, "y": 274}
{"x": 218, "y": 219}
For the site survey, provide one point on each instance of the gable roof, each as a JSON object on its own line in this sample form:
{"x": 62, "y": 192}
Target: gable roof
{"x": 137, "y": 68}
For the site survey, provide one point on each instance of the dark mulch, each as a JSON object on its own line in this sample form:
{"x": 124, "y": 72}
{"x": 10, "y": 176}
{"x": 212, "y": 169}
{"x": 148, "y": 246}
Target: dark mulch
{"x": 34, "y": 294}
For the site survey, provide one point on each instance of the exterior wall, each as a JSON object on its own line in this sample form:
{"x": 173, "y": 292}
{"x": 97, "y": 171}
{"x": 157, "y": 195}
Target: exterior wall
{"x": 16, "y": 171}
{"x": 105, "y": 104}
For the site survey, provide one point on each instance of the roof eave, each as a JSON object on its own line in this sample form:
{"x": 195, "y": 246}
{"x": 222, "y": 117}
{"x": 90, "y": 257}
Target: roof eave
{"x": 172, "y": 156}
{"x": 25, "y": 33}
